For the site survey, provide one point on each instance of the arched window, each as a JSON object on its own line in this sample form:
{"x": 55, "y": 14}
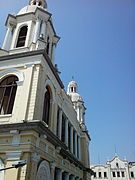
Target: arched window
{"x": 22, "y": 36}
{"x": 34, "y": 3}
{"x": 8, "y": 88}
{"x": 40, "y": 3}
{"x": 46, "y": 108}
{"x": 48, "y": 45}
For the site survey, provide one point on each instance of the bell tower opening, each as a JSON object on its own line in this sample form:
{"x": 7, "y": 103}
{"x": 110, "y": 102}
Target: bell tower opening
{"x": 22, "y": 36}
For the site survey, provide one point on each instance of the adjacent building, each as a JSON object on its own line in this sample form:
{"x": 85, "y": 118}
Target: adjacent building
{"x": 39, "y": 121}
{"x": 115, "y": 169}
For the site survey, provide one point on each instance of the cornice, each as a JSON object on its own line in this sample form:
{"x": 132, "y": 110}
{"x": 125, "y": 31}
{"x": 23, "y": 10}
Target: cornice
{"x": 40, "y": 127}
{"x": 34, "y": 53}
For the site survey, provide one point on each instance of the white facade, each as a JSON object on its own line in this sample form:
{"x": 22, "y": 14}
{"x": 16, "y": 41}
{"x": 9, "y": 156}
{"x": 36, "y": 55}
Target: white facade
{"x": 115, "y": 169}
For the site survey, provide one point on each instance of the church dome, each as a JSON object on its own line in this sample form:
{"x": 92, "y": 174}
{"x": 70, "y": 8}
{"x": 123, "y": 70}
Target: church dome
{"x": 75, "y": 97}
{"x": 72, "y": 92}
{"x": 33, "y": 4}
{"x": 27, "y": 9}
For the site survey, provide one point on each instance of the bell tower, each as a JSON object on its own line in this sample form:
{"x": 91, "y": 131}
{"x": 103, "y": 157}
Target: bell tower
{"x": 31, "y": 29}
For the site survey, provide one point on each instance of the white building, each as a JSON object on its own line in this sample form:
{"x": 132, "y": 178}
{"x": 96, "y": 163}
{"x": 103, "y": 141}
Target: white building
{"x": 114, "y": 169}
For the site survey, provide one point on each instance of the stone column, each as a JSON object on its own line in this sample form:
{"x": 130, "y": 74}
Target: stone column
{"x": 12, "y": 156}
{"x": 66, "y": 131}
{"x": 52, "y": 165}
{"x": 75, "y": 144}
{"x": 58, "y": 174}
{"x": 37, "y": 29}
{"x": 60, "y": 124}
{"x": 72, "y": 178}
{"x": 71, "y": 139}
{"x": 8, "y": 38}
{"x": 43, "y": 30}
{"x": 66, "y": 176}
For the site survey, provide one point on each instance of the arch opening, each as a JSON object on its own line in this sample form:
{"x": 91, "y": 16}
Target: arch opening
{"x": 22, "y": 36}
{"x": 46, "y": 107}
{"x": 8, "y": 87}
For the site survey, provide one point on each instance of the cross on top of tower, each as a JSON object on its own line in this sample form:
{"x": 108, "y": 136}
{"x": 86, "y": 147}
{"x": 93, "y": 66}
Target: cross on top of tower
{"x": 41, "y": 3}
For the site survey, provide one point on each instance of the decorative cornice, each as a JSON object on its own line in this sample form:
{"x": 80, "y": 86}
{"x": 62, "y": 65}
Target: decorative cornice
{"x": 40, "y": 128}
{"x": 34, "y": 53}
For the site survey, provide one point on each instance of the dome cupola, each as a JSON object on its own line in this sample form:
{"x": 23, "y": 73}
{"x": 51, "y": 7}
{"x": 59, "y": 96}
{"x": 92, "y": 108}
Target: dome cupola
{"x": 77, "y": 101}
{"x": 40, "y": 3}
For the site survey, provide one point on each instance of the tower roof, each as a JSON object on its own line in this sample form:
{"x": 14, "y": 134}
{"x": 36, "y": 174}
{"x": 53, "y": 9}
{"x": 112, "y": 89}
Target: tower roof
{"x": 72, "y": 92}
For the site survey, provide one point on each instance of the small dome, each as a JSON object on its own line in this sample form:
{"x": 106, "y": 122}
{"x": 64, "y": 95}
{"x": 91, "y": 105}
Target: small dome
{"x": 27, "y": 9}
{"x": 72, "y": 92}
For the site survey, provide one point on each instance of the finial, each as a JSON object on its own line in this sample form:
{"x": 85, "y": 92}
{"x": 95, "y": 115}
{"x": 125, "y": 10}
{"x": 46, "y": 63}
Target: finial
{"x": 72, "y": 78}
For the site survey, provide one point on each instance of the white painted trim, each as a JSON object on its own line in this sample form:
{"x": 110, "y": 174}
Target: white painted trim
{"x": 15, "y": 72}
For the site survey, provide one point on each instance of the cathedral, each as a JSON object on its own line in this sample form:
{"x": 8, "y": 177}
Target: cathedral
{"x": 39, "y": 121}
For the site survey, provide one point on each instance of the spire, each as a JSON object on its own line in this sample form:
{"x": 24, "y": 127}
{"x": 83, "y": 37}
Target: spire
{"x": 40, "y": 3}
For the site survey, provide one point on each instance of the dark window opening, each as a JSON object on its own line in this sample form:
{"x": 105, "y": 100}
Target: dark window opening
{"x": 95, "y": 175}
{"x": 47, "y": 46}
{"x": 46, "y": 108}
{"x": 71, "y": 89}
{"x": 114, "y": 175}
{"x": 105, "y": 174}
{"x": 77, "y": 146}
{"x": 58, "y": 115}
{"x": 99, "y": 173}
{"x": 8, "y": 89}
{"x": 117, "y": 165}
{"x": 40, "y": 3}
{"x": 69, "y": 142}
{"x": 132, "y": 174}
{"x": 122, "y": 174}
{"x": 34, "y": 3}
{"x": 118, "y": 174}
{"x": 74, "y": 142}
{"x": 63, "y": 129}
{"x": 22, "y": 36}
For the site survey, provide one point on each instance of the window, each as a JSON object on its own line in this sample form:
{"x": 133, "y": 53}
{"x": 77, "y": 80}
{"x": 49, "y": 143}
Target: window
{"x": 122, "y": 174}
{"x": 63, "y": 129}
{"x": 99, "y": 174}
{"x": 105, "y": 174}
{"x": 113, "y": 173}
{"x": 34, "y": 3}
{"x": 69, "y": 131}
{"x": 40, "y": 3}
{"x": 8, "y": 89}
{"x": 74, "y": 142}
{"x": 46, "y": 108}
{"x": 132, "y": 174}
{"x": 95, "y": 175}
{"x": 118, "y": 174}
{"x": 117, "y": 165}
{"x": 48, "y": 45}
{"x": 58, "y": 116}
{"x": 77, "y": 146}
{"x": 22, "y": 36}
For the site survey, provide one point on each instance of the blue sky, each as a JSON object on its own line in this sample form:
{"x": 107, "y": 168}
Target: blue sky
{"x": 97, "y": 47}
